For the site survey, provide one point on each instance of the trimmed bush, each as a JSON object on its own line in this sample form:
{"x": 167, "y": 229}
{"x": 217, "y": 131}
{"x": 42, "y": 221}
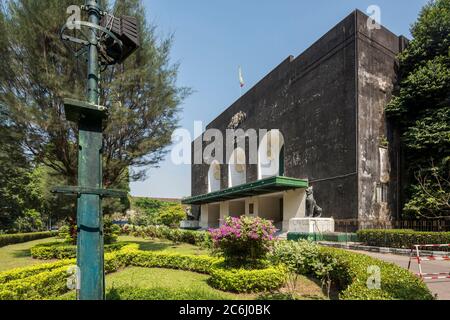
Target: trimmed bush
{"x": 21, "y": 273}
{"x": 41, "y": 285}
{"x": 46, "y": 281}
{"x": 247, "y": 280}
{"x": 7, "y": 239}
{"x": 351, "y": 273}
{"x": 401, "y": 238}
{"x": 331, "y": 237}
{"x": 61, "y": 250}
{"x": 133, "y": 293}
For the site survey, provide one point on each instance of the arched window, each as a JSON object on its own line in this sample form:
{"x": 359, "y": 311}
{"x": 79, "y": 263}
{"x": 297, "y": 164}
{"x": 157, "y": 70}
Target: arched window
{"x": 214, "y": 177}
{"x": 271, "y": 155}
{"x": 237, "y": 170}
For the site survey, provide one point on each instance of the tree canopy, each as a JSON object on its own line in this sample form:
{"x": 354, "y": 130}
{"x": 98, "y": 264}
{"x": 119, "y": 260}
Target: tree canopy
{"x": 421, "y": 108}
{"x": 37, "y": 71}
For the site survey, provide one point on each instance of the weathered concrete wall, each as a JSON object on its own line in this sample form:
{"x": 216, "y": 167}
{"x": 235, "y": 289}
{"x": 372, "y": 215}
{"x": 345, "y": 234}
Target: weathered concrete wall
{"x": 328, "y": 104}
{"x": 377, "y": 70}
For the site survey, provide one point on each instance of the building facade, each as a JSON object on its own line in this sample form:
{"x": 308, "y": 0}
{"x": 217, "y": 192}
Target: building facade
{"x": 324, "y": 112}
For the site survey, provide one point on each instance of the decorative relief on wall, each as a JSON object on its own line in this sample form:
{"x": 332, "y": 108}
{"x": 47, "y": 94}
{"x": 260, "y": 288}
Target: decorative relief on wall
{"x": 238, "y": 119}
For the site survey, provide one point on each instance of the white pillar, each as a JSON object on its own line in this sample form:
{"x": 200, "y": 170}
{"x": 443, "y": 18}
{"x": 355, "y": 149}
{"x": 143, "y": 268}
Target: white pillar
{"x": 204, "y": 216}
{"x": 294, "y": 202}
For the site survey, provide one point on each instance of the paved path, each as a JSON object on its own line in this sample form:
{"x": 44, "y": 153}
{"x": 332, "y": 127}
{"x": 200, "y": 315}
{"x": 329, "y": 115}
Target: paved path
{"x": 439, "y": 287}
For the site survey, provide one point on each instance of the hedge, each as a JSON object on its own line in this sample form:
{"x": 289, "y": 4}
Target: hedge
{"x": 331, "y": 237}
{"x": 7, "y": 239}
{"x": 351, "y": 274}
{"x": 198, "y": 238}
{"x": 45, "y": 281}
{"x": 247, "y": 281}
{"x": 401, "y": 238}
{"x": 61, "y": 250}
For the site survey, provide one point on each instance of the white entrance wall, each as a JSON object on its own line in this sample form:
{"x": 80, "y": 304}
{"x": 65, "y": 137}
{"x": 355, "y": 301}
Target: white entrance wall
{"x": 294, "y": 206}
{"x": 270, "y": 208}
{"x": 237, "y": 208}
{"x": 210, "y": 215}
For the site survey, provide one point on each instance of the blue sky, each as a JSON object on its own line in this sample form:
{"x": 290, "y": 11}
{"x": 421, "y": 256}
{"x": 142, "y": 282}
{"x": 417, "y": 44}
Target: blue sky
{"x": 213, "y": 38}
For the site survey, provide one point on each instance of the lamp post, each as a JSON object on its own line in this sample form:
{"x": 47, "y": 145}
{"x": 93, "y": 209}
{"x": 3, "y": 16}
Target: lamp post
{"x": 101, "y": 46}
{"x": 89, "y": 218}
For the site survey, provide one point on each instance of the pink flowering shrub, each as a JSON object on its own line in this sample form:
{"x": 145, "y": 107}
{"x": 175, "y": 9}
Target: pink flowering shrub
{"x": 243, "y": 240}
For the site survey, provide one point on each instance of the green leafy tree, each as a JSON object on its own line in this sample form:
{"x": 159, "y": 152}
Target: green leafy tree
{"x": 16, "y": 175}
{"x": 421, "y": 109}
{"x": 172, "y": 215}
{"x": 37, "y": 72}
{"x": 157, "y": 212}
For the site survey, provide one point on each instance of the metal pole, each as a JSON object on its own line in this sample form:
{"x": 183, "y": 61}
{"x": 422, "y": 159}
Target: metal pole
{"x": 89, "y": 212}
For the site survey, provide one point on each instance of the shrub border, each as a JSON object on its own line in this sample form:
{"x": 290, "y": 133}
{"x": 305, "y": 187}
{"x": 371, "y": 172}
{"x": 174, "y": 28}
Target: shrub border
{"x": 395, "y": 238}
{"x": 351, "y": 274}
{"x": 7, "y": 239}
{"x": 247, "y": 281}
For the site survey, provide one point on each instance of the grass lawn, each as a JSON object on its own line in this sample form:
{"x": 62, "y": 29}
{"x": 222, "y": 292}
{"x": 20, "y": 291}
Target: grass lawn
{"x": 163, "y": 245}
{"x": 167, "y": 284}
{"x": 18, "y": 255}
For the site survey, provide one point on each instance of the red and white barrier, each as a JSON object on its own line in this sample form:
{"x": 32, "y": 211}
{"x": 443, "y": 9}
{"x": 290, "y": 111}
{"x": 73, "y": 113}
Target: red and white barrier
{"x": 429, "y": 276}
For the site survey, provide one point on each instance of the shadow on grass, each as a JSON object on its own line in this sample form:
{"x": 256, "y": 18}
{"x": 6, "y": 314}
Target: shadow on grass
{"x": 25, "y": 253}
{"x": 151, "y": 246}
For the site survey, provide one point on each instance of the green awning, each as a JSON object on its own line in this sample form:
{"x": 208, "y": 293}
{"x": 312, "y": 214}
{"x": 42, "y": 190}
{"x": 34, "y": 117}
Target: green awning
{"x": 266, "y": 186}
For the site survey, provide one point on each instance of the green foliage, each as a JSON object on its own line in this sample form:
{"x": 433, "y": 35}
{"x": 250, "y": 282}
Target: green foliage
{"x": 30, "y": 222}
{"x": 157, "y": 212}
{"x": 46, "y": 281}
{"x": 7, "y": 239}
{"x": 302, "y": 258}
{"x": 421, "y": 110}
{"x": 298, "y": 257}
{"x": 172, "y": 216}
{"x": 351, "y": 274}
{"x": 22, "y": 273}
{"x": 243, "y": 240}
{"x": 37, "y": 72}
{"x": 133, "y": 293}
{"x": 198, "y": 238}
{"x": 247, "y": 280}
{"x": 149, "y": 259}
{"x": 401, "y": 238}
{"x": 111, "y": 232}
{"x": 58, "y": 250}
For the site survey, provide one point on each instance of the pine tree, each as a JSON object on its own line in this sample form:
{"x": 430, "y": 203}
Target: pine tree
{"x": 37, "y": 72}
{"x": 421, "y": 108}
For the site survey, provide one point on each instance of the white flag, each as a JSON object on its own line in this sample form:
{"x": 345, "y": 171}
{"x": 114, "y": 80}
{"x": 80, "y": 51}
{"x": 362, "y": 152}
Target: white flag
{"x": 241, "y": 78}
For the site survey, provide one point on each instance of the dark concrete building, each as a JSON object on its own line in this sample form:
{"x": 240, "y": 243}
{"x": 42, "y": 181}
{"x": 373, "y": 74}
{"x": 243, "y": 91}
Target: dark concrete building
{"x": 328, "y": 104}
